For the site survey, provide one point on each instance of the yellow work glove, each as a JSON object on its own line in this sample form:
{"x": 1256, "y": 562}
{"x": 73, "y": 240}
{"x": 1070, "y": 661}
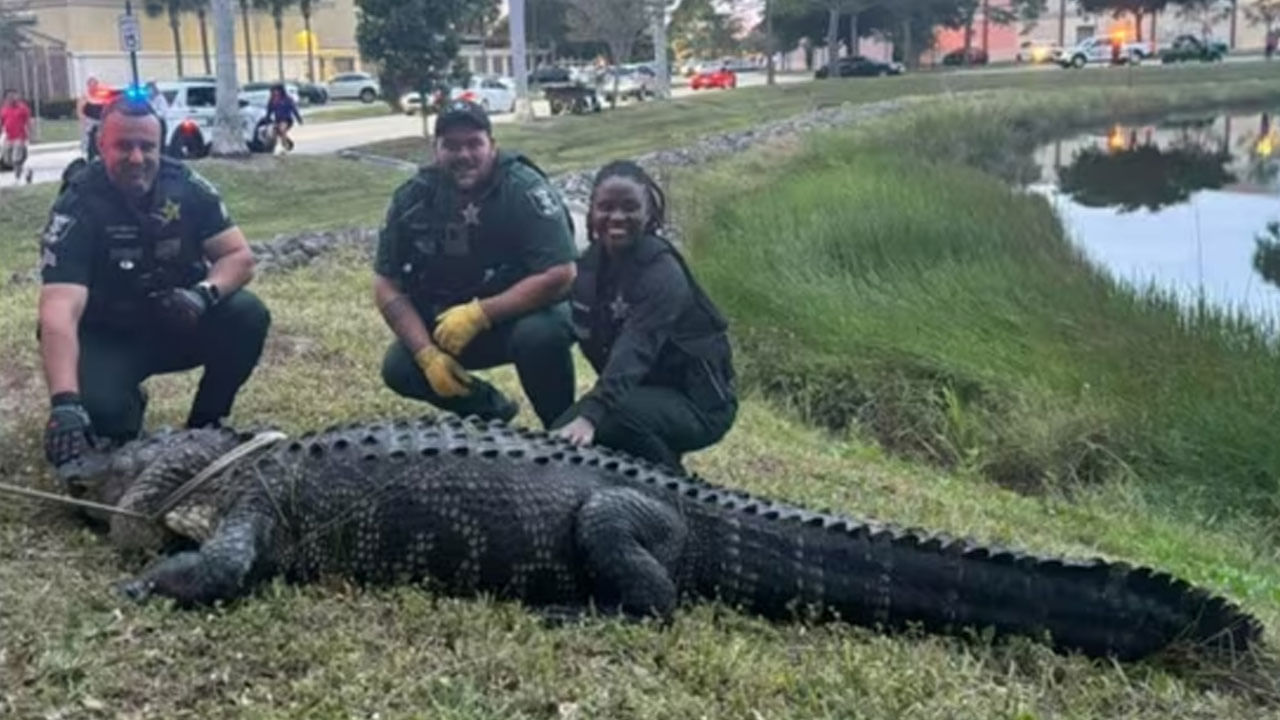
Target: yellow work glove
{"x": 443, "y": 373}
{"x": 459, "y": 325}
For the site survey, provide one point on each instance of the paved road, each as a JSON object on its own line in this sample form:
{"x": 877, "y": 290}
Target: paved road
{"x": 324, "y": 138}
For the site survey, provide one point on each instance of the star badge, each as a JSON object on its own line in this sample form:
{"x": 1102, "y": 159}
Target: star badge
{"x": 619, "y": 307}
{"x": 170, "y": 211}
{"x": 471, "y": 214}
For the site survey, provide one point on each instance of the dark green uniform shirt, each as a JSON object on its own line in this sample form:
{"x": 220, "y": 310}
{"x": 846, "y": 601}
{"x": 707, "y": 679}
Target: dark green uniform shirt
{"x": 446, "y": 248}
{"x": 95, "y": 237}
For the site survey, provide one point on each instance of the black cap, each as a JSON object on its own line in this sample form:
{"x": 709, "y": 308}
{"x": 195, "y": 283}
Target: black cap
{"x": 462, "y": 112}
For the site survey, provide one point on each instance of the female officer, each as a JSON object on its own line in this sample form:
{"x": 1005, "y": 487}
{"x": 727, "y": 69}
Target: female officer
{"x": 656, "y": 342}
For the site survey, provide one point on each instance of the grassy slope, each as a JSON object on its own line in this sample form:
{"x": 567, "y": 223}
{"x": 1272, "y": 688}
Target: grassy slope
{"x": 67, "y": 643}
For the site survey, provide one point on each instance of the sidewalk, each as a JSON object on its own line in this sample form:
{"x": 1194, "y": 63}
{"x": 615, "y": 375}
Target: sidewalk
{"x": 53, "y": 147}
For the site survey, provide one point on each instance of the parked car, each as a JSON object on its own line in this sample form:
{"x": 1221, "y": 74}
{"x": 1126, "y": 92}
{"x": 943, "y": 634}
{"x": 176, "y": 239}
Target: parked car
{"x": 713, "y": 76}
{"x": 1034, "y": 52}
{"x": 976, "y": 56}
{"x": 353, "y": 85}
{"x": 1189, "y": 47}
{"x": 190, "y": 116}
{"x": 258, "y": 93}
{"x": 1097, "y": 49}
{"x": 312, "y": 93}
{"x": 495, "y": 94}
{"x": 636, "y": 83}
{"x": 859, "y": 66}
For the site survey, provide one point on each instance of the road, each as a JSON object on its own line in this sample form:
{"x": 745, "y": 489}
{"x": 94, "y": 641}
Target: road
{"x": 324, "y": 138}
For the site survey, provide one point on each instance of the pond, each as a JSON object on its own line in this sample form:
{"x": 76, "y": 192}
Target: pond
{"x": 1190, "y": 205}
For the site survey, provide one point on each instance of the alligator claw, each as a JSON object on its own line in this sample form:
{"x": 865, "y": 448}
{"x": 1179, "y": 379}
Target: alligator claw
{"x": 136, "y": 590}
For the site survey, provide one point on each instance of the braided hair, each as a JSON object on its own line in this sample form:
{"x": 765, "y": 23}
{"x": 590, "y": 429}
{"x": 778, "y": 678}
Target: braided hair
{"x": 632, "y": 171}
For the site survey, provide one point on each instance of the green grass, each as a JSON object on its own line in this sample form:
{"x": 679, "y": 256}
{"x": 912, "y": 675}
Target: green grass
{"x": 69, "y": 647}
{"x": 569, "y": 142}
{"x": 52, "y": 131}
{"x": 879, "y": 279}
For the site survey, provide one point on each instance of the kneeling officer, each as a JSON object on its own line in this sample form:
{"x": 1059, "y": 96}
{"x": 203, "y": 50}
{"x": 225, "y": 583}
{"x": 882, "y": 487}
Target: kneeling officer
{"x": 473, "y": 268}
{"x": 142, "y": 273}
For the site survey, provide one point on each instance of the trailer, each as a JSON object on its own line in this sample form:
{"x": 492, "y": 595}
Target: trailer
{"x": 571, "y": 97}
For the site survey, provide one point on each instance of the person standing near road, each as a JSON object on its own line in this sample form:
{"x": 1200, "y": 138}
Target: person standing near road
{"x": 15, "y": 123}
{"x": 281, "y": 112}
{"x": 143, "y": 273}
{"x": 473, "y": 266}
{"x": 658, "y": 345}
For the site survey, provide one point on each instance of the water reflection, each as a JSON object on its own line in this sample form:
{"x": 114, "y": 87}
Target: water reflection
{"x": 1178, "y": 203}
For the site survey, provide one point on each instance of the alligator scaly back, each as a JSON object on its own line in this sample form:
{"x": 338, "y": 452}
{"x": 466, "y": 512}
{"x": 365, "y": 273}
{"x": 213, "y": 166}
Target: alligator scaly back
{"x": 515, "y": 500}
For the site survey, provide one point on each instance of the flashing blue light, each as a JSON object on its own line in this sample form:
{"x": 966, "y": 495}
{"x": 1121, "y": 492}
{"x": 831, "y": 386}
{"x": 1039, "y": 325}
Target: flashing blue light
{"x": 135, "y": 92}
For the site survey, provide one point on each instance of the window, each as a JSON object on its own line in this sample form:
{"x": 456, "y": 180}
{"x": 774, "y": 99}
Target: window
{"x": 202, "y": 97}
{"x": 1084, "y": 32}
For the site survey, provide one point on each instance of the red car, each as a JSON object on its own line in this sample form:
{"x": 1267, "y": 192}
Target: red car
{"x": 723, "y": 78}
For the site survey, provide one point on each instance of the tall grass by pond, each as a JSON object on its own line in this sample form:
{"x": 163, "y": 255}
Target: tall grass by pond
{"x": 886, "y": 277}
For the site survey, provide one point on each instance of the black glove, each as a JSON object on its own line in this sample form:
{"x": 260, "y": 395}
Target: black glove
{"x": 68, "y": 434}
{"x": 182, "y": 308}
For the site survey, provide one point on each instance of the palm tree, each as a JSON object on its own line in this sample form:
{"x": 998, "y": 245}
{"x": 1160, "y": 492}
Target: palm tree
{"x": 304, "y": 6}
{"x": 173, "y": 8}
{"x": 277, "y": 8}
{"x": 248, "y": 38}
{"x": 201, "y": 8}
{"x": 228, "y": 137}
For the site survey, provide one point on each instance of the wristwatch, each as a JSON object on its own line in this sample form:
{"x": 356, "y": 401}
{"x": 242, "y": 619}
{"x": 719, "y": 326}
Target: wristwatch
{"x": 210, "y": 292}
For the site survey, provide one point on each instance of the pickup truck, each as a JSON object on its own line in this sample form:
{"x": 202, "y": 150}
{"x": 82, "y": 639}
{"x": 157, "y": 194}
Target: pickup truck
{"x": 1189, "y": 47}
{"x": 1097, "y": 49}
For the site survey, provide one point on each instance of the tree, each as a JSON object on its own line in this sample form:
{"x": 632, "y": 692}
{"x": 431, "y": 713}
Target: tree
{"x": 306, "y": 8}
{"x": 1263, "y": 12}
{"x": 660, "y": 12}
{"x": 277, "y": 8}
{"x": 414, "y": 42}
{"x": 615, "y": 22}
{"x": 174, "y": 9}
{"x": 700, "y": 30}
{"x": 201, "y": 9}
{"x": 966, "y": 13}
{"x": 1137, "y": 8}
{"x": 228, "y": 131}
{"x": 248, "y": 38}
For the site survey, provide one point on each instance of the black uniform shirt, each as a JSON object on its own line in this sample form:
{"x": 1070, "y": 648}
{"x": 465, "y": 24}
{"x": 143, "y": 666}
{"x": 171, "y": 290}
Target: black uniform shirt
{"x": 97, "y": 238}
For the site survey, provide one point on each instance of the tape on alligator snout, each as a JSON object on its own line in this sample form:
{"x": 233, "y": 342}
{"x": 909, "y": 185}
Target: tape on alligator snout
{"x": 260, "y": 442}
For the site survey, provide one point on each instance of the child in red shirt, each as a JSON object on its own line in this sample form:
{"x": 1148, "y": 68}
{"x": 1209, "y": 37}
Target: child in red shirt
{"x": 15, "y": 124}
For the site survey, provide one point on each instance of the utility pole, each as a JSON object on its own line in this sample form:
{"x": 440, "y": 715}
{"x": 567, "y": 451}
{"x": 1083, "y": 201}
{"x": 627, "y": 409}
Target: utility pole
{"x": 768, "y": 43}
{"x": 519, "y": 65}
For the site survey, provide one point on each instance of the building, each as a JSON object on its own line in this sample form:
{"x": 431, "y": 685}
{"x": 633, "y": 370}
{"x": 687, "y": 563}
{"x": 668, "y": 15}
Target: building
{"x": 1063, "y": 24}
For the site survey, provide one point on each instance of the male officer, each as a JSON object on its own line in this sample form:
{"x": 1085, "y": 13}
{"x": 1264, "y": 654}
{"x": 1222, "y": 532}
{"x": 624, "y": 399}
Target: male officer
{"x": 473, "y": 267}
{"x": 143, "y": 270}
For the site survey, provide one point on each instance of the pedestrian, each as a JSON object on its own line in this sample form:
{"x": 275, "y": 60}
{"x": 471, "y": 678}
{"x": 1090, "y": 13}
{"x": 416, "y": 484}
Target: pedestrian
{"x": 281, "y": 112}
{"x": 15, "y": 125}
{"x": 472, "y": 269}
{"x": 143, "y": 273}
{"x": 658, "y": 344}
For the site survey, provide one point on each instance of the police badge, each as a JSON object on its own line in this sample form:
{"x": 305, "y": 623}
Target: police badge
{"x": 544, "y": 202}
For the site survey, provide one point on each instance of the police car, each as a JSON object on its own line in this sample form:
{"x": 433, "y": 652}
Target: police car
{"x": 189, "y": 118}
{"x": 189, "y": 109}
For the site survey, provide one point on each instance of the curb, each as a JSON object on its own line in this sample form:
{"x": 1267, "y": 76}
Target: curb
{"x": 53, "y": 147}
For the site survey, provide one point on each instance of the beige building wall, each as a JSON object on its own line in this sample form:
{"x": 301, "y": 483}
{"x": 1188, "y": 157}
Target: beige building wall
{"x": 88, "y": 28}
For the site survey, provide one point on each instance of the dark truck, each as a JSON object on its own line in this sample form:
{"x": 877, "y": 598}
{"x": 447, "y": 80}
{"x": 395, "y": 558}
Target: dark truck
{"x": 1186, "y": 48}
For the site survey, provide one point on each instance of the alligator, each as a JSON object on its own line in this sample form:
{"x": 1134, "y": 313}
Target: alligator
{"x": 470, "y": 507}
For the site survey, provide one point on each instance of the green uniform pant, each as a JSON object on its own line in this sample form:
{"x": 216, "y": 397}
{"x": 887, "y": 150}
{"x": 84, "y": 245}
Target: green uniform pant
{"x": 227, "y": 343}
{"x": 659, "y": 424}
{"x": 539, "y": 344}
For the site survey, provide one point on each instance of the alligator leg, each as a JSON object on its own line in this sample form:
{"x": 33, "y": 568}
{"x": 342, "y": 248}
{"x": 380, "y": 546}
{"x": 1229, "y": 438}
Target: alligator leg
{"x": 222, "y": 569}
{"x": 630, "y": 542}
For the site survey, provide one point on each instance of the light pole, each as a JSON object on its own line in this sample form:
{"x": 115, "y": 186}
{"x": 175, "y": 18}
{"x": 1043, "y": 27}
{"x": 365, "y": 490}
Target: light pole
{"x": 519, "y": 68}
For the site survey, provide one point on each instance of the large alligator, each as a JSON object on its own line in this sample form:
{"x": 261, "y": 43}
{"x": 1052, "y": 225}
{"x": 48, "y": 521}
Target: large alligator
{"x": 484, "y": 507}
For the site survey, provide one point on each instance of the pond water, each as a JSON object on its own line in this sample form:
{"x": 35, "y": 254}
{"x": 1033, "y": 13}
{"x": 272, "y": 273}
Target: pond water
{"x": 1181, "y": 204}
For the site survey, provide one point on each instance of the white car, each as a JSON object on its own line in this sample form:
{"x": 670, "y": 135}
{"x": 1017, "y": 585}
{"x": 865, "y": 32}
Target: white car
{"x": 354, "y": 85}
{"x": 189, "y": 119}
{"x": 258, "y": 93}
{"x": 1097, "y": 49}
{"x": 494, "y": 94}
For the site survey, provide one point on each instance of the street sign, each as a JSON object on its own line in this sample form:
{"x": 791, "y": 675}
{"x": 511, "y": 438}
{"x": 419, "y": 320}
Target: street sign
{"x": 130, "y": 34}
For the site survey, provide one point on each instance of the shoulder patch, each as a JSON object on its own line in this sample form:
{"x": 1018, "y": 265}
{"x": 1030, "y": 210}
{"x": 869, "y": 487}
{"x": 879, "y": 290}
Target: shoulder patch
{"x": 57, "y": 228}
{"x": 544, "y": 200}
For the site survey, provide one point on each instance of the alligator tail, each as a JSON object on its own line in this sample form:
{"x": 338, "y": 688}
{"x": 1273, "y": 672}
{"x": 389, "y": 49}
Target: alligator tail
{"x": 779, "y": 561}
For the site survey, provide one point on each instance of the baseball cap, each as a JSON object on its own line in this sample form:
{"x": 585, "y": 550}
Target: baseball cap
{"x": 462, "y": 112}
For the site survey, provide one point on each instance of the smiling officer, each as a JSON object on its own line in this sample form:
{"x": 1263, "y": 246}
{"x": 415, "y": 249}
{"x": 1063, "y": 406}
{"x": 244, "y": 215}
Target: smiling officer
{"x": 473, "y": 268}
{"x": 143, "y": 272}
